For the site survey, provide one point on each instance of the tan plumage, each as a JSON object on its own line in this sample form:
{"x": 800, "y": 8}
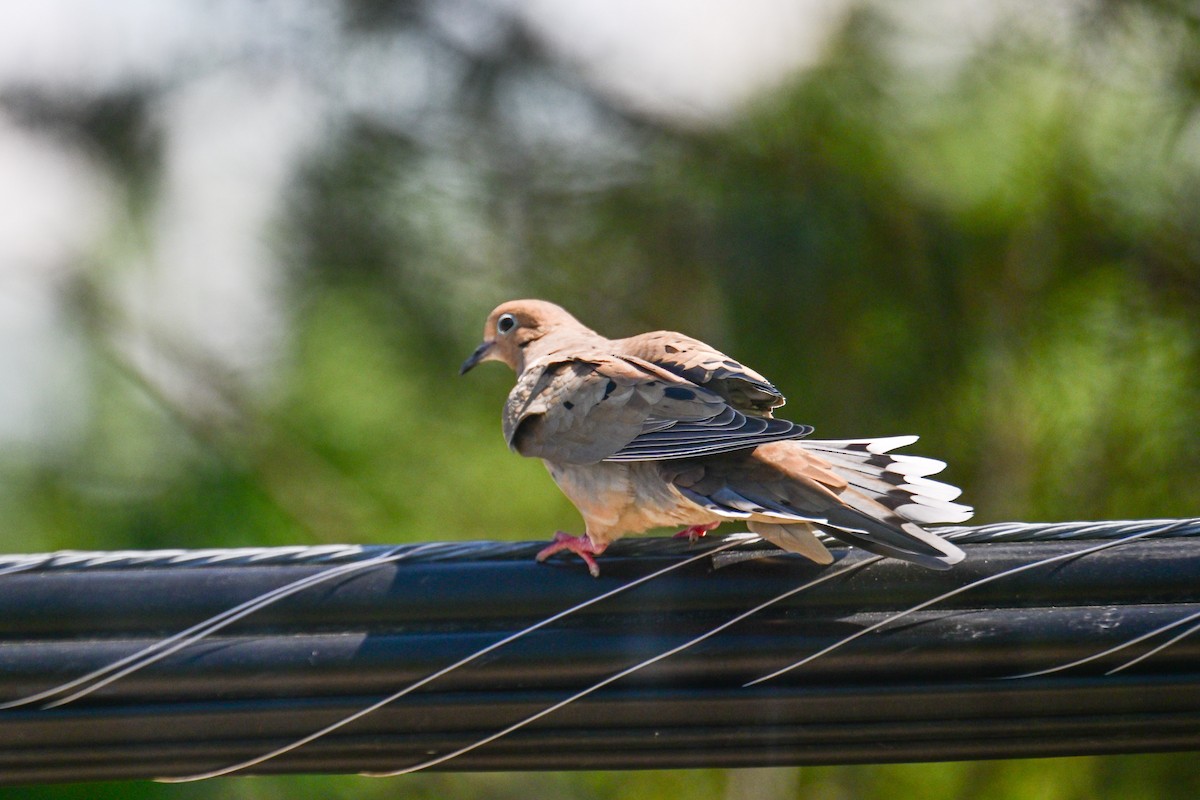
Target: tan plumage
{"x": 662, "y": 429}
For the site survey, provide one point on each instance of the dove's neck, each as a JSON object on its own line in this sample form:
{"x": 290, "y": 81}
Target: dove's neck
{"x": 558, "y": 344}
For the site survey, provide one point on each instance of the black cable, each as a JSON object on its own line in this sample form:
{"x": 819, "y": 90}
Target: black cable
{"x": 364, "y": 622}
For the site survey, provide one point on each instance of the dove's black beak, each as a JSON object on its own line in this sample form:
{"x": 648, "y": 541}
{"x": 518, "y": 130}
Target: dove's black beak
{"x": 479, "y": 354}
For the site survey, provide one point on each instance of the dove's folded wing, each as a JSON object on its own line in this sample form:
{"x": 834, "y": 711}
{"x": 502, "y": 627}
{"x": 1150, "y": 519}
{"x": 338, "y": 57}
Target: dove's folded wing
{"x": 694, "y": 361}
{"x": 594, "y": 406}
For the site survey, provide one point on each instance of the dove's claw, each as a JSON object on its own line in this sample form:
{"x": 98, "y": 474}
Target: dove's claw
{"x": 695, "y": 531}
{"x": 579, "y": 545}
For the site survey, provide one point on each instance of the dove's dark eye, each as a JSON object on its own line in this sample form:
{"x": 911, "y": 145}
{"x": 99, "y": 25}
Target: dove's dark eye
{"x": 506, "y": 323}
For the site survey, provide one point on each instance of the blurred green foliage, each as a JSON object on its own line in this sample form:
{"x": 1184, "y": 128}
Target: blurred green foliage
{"x": 1003, "y": 257}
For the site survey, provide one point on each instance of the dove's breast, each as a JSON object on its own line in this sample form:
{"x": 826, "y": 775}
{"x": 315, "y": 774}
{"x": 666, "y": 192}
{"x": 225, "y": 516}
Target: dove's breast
{"x": 616, "y": 498}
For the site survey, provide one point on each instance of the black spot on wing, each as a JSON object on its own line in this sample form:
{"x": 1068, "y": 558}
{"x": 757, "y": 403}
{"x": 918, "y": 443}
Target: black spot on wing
{"x": 609, "y": 388}
{"x": 679, "y": 393}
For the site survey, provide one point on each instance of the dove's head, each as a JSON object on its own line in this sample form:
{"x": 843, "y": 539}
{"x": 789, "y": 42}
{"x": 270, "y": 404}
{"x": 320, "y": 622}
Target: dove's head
{"x": 513, "y": 326}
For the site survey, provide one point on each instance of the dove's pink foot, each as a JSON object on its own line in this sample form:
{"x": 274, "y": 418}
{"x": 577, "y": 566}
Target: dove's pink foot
{"x": 579, "y": 545}
{"x": 696, "y": 531}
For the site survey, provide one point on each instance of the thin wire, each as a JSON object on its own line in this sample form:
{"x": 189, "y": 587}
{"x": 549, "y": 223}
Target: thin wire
{"x": 165, "y": 647}
{"x": 927, "y": 603}
{"x": 445, "y": 670}
{"x": 1115, "y": 649}
{"x": 178, "y": 557}
{"x": 1158, "y": 649}
{"x": 627, "y": 671}
{"x": 995, "y": 532}
{"x": 1067, "y": 531}
{"x": 19, "y": 567}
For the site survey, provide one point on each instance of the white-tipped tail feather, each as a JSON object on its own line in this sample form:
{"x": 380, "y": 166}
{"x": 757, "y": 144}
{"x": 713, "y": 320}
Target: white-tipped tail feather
{"x": 895, "y": 491}
{"x": 852, "y": 490}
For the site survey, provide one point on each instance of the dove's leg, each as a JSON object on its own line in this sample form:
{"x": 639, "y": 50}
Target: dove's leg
{"x": 696, "y": 531}
{"x": 579, "y": 545}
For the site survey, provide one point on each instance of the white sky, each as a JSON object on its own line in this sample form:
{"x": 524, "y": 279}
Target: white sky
{"x": 691, "y": 59}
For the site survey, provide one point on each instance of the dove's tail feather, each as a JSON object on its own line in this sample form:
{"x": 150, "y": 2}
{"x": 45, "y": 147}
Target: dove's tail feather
{"x": 890, "y": 536}
{"x": 795, "y": 537}
{"x": 889, "y": 498}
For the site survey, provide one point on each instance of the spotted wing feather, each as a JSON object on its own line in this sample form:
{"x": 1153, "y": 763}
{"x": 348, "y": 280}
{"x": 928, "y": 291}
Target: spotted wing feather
{"x": 691, "y": 359}
{"x": 597, "y": 407}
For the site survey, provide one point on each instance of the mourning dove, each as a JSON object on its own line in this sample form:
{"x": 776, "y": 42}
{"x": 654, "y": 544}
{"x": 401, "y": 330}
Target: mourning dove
{"x": 660, "y": 430}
